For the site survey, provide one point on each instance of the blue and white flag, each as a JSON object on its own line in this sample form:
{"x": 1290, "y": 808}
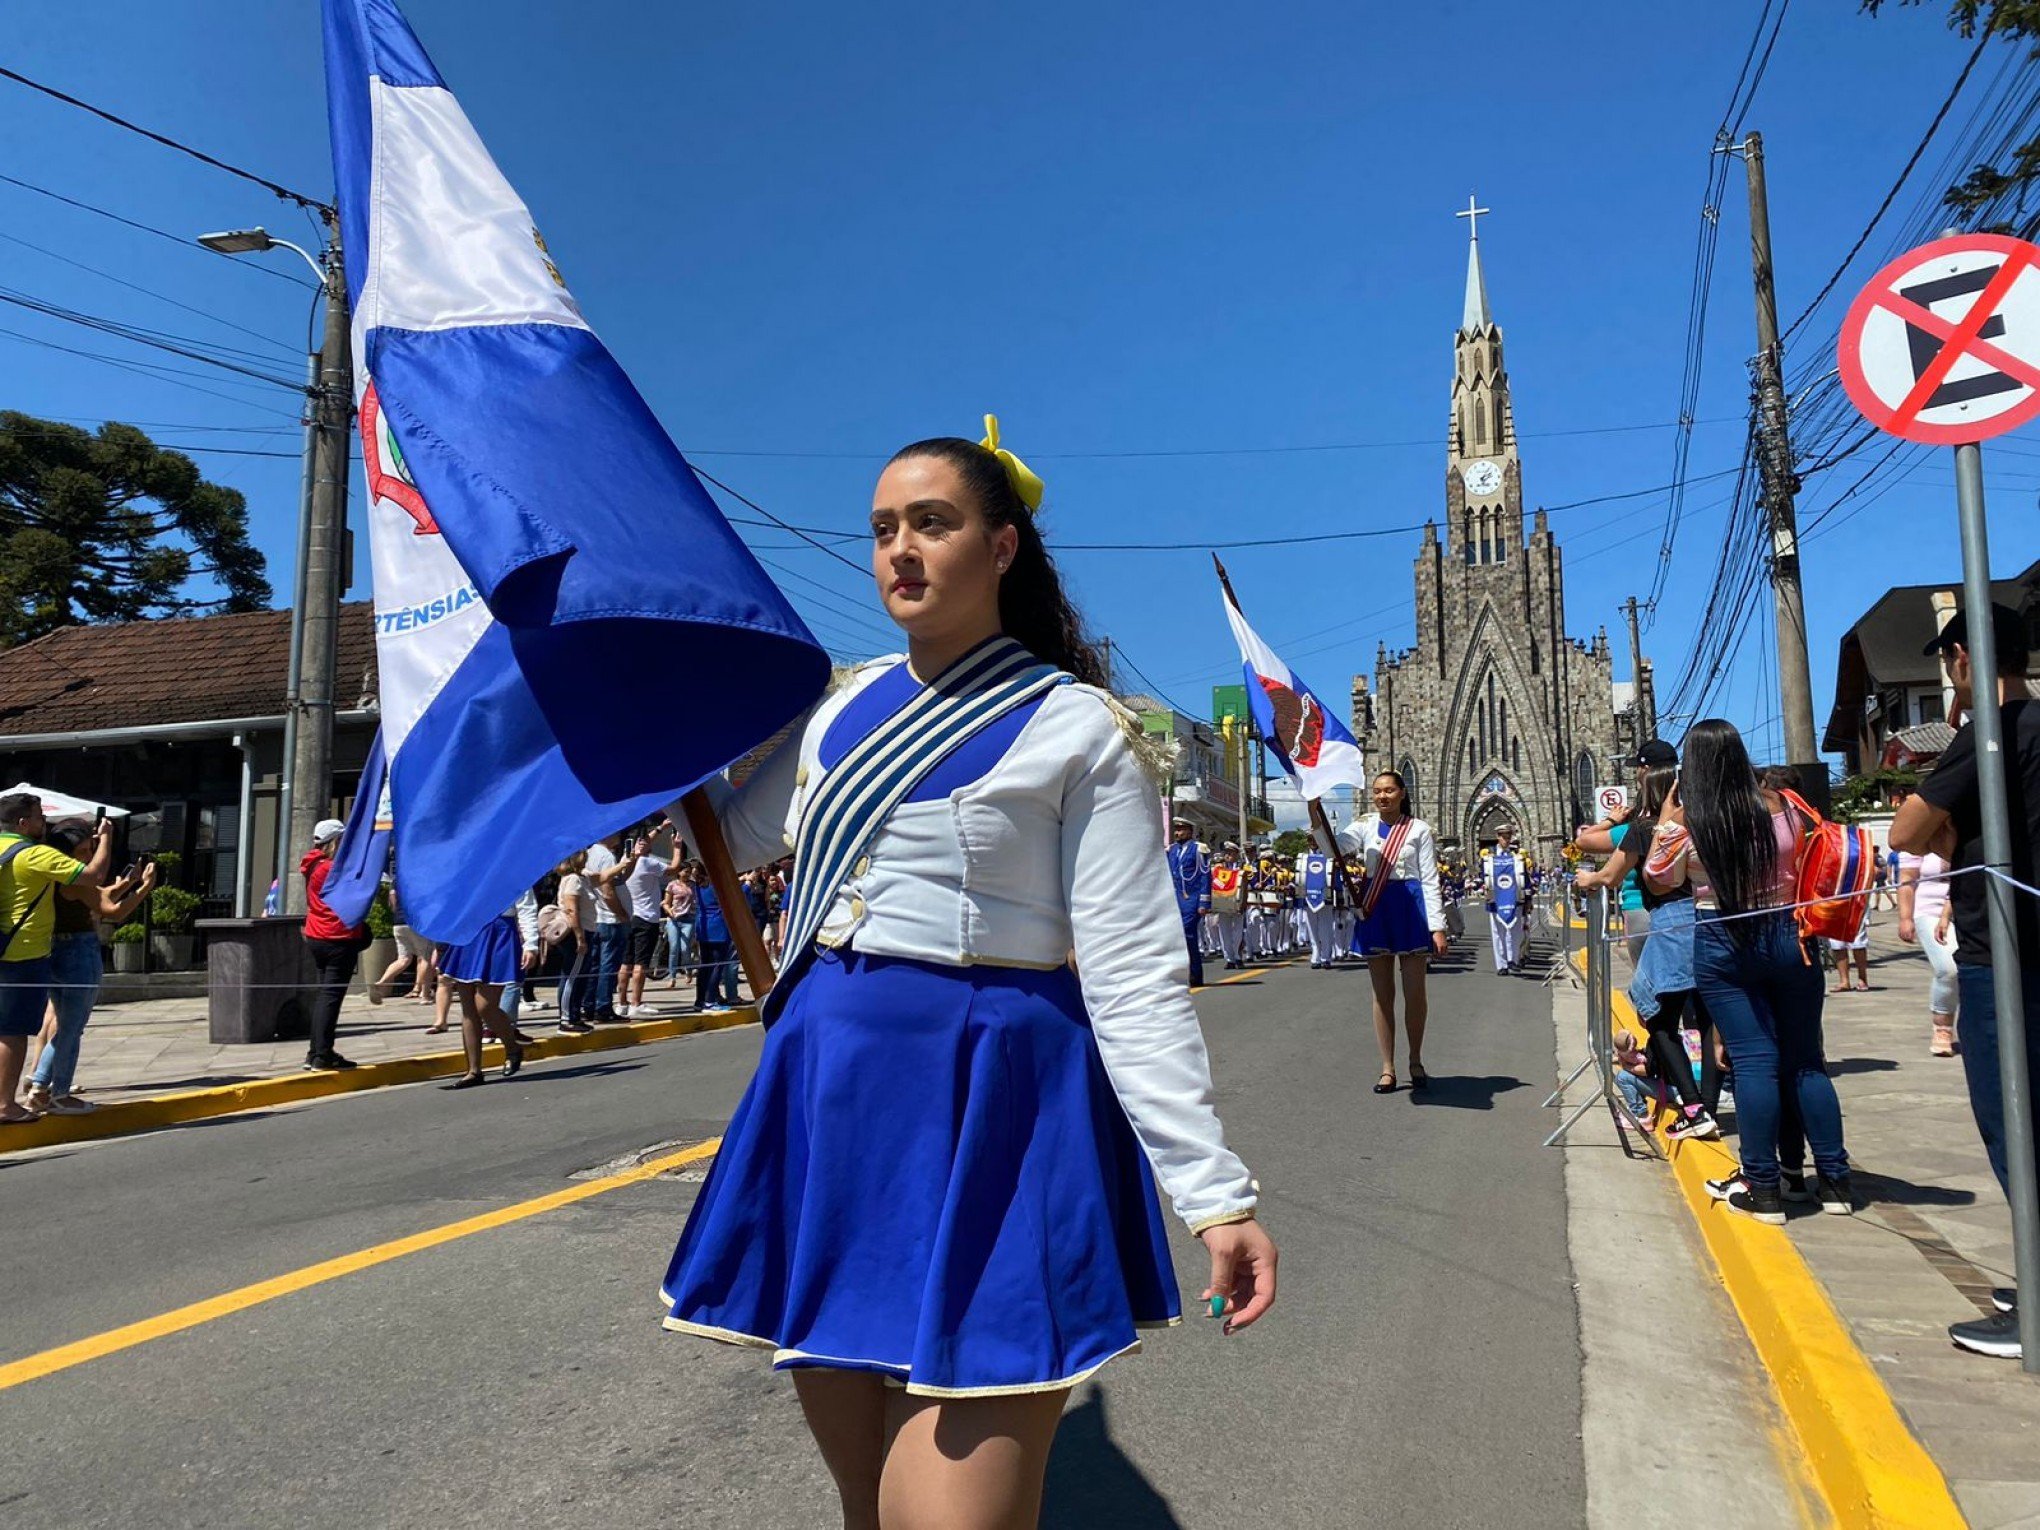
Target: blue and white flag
{"x": 1317, "y": 749}
{"x": 543, "y": 555}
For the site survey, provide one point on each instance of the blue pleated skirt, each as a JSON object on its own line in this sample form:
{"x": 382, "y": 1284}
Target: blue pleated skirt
{"x": 1398, "y": 926}
{"x": 495, "y": 956}
{"x": 929, "y": 1179}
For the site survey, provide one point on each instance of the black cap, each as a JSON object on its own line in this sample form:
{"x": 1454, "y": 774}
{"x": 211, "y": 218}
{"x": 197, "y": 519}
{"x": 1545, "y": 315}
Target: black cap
{"x": 2006, "y": 625}
{"x": 1656, "y": 751}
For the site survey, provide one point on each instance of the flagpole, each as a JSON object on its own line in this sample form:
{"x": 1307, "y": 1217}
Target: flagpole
{"x": 706, "y": 831}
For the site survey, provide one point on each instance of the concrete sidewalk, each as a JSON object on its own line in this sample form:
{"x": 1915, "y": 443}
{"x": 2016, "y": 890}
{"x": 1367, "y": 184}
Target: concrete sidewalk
{"x": 159, "y": 1046}
{"x": 1933, "y": 1238}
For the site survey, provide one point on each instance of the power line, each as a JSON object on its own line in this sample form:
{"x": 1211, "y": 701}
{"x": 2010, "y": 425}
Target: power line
{"x": 155, "y": 371}
{"x": 158, "y": 339}
{"x": 269, "y": 340}
{"x": 798, "y": 531}
{"x": 167, "y": 142}
{"x": 182, "y": 241}
{"x": 1209, "y": 451}
{"x": 1891, "y": 196}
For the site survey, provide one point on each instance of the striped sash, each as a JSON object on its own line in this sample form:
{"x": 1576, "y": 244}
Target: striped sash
{"x": 855, "y": 797}
{"x": 1391, "y": 852}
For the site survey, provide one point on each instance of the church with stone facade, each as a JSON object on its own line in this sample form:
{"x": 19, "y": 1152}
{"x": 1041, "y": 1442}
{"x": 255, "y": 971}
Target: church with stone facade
{"x": 1496, "y": 715}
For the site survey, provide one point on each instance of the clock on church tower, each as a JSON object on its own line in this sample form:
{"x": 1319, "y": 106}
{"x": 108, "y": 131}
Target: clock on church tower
{"x": 1483, "y": 478}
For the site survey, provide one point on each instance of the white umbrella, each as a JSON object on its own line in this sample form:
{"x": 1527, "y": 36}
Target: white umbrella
{"x": 63, "y": 804}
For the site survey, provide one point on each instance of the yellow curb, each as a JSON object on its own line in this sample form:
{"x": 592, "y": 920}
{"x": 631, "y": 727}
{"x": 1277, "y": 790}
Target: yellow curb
{"x": 1869, "y": 1468}
{"x": 163, "y": 1110}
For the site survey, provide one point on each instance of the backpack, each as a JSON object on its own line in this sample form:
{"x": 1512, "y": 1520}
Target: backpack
{"x": 1833, "y": 871}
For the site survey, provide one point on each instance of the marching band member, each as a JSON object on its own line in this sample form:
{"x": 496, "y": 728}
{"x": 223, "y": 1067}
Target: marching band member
{"x": 1191, "y": 879}
{"x": 1402, "y": 918}
{"x": 1228, "y": 902}
{"x": 1506, "y": 873}
{"x": 963, "y": 818}
{"x": 1315, "y": 876}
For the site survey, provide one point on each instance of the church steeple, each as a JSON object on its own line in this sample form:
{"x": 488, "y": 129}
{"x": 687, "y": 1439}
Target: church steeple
{"x": 1476, "y": 317}
{"x": 1484, "y": 495}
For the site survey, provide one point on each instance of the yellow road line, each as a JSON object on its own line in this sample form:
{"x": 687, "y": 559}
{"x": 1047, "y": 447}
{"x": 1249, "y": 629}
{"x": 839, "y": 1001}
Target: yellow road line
{"x": 114, "y": 1340}
{"x": 1241, "y": 977}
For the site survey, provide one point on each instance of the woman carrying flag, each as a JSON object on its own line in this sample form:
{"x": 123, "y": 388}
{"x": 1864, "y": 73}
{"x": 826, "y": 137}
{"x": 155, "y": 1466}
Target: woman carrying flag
{"x": 932, "y": 1205}
{"x": 1401, "y": 918}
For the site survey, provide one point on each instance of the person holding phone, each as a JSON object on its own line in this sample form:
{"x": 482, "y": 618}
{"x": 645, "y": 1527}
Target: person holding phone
{"x": 76, "y": 968}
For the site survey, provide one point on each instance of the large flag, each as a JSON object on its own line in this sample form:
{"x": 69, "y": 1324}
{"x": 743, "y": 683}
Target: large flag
{"x": 1316, "y": 749}
{"x": 546, "y": 563}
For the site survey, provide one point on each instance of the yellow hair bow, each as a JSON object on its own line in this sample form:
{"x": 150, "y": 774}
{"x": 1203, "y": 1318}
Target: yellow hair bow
{"x": 1019, "y": 474}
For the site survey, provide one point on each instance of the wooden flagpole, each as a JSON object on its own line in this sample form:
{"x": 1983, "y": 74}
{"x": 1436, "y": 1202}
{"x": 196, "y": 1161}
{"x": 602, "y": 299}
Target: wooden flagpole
{"x": 707, "y": 835}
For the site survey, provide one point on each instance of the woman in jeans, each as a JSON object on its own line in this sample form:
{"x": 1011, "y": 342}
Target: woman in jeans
{"x": 677, "y": 906}
{"x": 1662, "y": 986}
{"x": 1736, "y": 844}
{"x": 75, "y": 970}
{"x": 1924, "y": 916}
{"x": 335, "y": 945}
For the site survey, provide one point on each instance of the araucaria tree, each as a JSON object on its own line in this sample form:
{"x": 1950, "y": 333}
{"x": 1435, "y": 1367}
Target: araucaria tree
{"x": 110, "y": 527}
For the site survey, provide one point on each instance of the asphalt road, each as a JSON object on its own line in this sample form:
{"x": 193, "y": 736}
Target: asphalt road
{"x": 1423, "y": 1366}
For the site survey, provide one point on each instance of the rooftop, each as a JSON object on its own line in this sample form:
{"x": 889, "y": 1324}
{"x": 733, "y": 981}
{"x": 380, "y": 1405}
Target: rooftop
{"x": 83, "y": 678}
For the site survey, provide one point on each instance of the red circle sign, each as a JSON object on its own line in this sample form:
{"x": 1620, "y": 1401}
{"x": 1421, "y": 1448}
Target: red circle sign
{"x": 1943, "y": 346}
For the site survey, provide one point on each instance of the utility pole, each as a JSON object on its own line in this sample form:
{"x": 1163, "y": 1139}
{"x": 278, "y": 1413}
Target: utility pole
{"x": 1780, "y": 483}
{"x": 1240, "y": 739}
{"x": 310, "y": 708}
{"x": 1646, "y": 708}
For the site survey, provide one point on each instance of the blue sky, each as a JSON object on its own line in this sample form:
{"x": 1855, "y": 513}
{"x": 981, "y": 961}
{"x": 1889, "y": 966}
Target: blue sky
{"x": 814, "y": 233}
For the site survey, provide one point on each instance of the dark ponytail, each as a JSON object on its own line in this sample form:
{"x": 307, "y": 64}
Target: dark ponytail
{"x": 1033, "y": 609}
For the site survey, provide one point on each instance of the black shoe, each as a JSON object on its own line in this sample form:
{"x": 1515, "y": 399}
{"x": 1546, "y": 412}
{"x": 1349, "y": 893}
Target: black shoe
{"x": 1761, "y": 1202}
{"x": 331, "y": 1062}
{"x": 1793, "y": 1187}
{"x": 1698, "y": 1124}
{"x": 513, "y": 1060}
{"x": 467, "y": 1081}
{"x": 1997, "y": 1336}
{"x": 1837, "y": 1196}
{"x": 2005, "y": 1299}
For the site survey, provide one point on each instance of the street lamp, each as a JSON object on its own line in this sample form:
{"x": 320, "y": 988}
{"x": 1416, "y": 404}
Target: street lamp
{"x": 306, "y": 778}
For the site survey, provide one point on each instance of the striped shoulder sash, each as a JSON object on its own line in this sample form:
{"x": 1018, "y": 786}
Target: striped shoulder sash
{"x": 1391, "y": 852}
{"x": 859, "y": 793}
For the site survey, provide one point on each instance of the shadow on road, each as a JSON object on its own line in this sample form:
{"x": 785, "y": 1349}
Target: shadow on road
{"x": 1862, "y": 1065}
{"x": 1091, "y": 1483}
{"x": 1465, "y": 1091}
{"x": 1900, "y": 1192}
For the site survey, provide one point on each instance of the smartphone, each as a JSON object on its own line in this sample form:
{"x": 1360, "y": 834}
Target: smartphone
{"x": 98, "y": 817}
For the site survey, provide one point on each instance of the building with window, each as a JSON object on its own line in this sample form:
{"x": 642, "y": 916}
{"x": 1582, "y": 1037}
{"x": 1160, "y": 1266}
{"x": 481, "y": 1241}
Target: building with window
{"x": 1888, "y": 707}
{"x": 1204, "y": 787}
{"x": 181, "y": 722}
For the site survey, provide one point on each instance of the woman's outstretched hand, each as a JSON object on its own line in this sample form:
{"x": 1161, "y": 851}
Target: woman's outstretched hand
{"x": 1243, "y": 1260}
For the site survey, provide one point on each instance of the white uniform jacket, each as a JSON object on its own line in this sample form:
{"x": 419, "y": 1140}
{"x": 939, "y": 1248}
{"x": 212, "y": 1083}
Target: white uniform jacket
{"x": 1417, "y": 863}
{"x": 1058, "y": 847}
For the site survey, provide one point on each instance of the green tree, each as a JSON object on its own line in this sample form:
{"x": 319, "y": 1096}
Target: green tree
{"x": 1291, "y": 843}
{"x": 1993, "y": 196}
{"x": 107, "y": 526}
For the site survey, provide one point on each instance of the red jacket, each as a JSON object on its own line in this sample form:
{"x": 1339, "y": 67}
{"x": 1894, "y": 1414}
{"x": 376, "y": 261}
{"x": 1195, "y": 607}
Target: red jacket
{"x": 321, "y": 923}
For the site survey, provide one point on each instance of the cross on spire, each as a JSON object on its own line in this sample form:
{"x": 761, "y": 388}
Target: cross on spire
{"x": 1476, "y": 316}
{"x": 1473, "y": 213}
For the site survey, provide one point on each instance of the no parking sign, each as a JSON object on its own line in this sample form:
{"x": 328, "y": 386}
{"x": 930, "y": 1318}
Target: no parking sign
{"x": 1943, "y": 345}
